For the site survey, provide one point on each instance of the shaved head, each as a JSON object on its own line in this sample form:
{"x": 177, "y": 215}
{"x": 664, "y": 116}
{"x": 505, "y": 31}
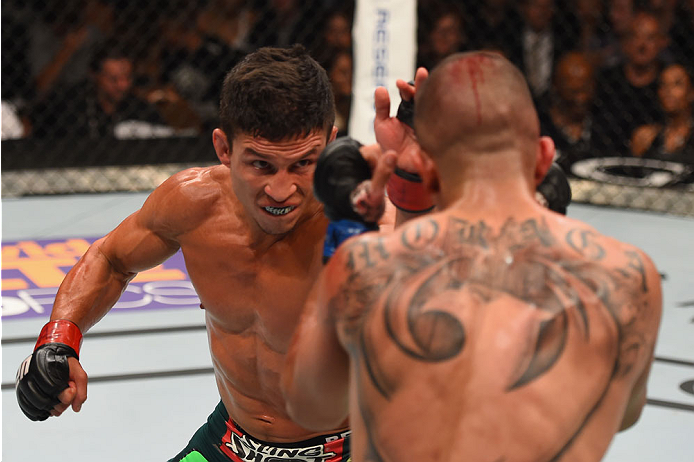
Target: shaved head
{"x": 475, "y": 104}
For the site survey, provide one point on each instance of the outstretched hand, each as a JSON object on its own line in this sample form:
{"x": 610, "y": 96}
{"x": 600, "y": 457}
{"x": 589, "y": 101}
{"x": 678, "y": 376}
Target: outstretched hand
{"x": 391, "y": 133}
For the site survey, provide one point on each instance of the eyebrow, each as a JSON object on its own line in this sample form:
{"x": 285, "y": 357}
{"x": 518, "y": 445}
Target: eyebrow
{"x": 312, "y": 152}
{"x": 253, "y": 152}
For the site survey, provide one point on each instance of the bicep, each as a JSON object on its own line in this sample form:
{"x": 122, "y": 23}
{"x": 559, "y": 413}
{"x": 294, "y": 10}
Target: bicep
{"x": 136, "y": 245}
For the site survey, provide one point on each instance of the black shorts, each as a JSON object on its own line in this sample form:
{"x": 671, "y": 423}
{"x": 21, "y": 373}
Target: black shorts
{"x": 222, "y": 440}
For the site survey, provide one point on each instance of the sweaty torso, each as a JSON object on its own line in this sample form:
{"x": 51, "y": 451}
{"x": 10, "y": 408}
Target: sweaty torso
{"x": 514, "y": 341}
{"x": 253, "y": 296}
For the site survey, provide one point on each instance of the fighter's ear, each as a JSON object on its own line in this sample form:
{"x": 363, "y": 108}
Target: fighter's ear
{"x": 222, "y": 146}
{"x": 543, "y": 159}
{"x": 429, "y": 174}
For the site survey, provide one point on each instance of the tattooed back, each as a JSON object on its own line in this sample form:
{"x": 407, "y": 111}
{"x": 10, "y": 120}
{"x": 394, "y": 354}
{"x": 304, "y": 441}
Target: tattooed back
{"x": 522, "y": 339}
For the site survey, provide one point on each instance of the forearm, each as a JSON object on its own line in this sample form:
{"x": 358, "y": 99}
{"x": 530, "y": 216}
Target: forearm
{"x": 315, "y": 378}
{"x": 89, "y": 290}
{"x": 637, "y": 400}
{"x": 316, "y": 389}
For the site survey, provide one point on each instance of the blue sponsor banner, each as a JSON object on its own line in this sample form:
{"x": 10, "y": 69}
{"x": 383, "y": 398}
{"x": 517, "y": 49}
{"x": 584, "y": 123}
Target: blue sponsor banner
{"x": 32, "y": 271}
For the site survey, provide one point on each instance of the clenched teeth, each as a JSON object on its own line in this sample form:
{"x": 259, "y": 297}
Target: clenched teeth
{"x": 279, "y": 210}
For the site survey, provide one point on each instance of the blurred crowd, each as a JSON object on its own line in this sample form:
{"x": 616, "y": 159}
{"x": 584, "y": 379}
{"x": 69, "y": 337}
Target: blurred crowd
{"x": 609, "y": 77}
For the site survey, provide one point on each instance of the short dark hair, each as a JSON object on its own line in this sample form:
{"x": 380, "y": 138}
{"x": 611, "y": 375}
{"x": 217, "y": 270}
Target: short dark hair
{"x": 277, "y": 94}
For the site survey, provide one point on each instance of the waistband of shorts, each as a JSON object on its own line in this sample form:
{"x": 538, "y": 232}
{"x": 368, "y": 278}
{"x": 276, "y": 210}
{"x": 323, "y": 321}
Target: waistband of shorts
{"x": 315, "y": 441}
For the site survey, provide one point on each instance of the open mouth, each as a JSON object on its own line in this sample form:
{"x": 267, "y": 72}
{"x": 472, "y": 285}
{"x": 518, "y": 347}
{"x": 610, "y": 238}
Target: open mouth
{"x": 279, "y": 211}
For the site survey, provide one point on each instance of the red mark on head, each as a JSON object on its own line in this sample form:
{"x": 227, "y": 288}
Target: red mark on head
{"x": 474, "y": 70}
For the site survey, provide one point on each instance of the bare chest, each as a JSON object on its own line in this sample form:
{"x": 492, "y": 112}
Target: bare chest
{"x": 244, "y": 290}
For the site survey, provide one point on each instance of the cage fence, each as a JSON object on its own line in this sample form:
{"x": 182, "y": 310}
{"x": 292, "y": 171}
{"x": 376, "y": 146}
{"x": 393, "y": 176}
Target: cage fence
{"x": 116, "y": 95}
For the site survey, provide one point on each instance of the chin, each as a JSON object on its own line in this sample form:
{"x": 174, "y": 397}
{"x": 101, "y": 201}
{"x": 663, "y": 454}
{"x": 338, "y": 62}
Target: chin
{"x": 275, "y": 226}
{"x": 277, "y": 230}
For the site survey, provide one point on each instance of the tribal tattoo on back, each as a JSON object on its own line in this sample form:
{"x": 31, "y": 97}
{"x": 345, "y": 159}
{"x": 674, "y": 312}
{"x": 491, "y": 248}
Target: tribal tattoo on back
{"x": 562, "y": 277}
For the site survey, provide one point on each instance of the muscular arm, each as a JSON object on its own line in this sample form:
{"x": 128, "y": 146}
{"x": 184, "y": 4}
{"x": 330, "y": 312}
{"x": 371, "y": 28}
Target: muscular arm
{"x": 650, "y": 322}
{"x": 143, "y": 240}
{"x": 97, "y": 281}
{"x": 315, "y": 378}
{"x": 637, "y": 400}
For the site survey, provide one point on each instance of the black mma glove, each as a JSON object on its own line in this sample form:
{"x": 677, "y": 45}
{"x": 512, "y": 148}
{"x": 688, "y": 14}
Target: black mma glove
{"x": 555, "y": 191}
{"x": 340, "y": 170}
{"x": 405, "y": 189}
{"x": 406, "y": 111}
{"x": 45, "y": 374}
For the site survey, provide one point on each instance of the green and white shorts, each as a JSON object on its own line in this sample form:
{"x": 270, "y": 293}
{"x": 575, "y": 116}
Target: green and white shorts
{"x": 222, "y": 440}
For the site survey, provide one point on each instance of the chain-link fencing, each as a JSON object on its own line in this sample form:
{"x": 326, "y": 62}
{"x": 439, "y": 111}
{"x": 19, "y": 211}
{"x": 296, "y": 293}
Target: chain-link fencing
{"x": 113, "y": 95}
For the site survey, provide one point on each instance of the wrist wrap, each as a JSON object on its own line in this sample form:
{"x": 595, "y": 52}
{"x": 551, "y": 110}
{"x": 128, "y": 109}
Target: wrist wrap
{"x": 406, "y": 191}
{"x": 46, "y": 372}
{"x": 61, "y": 331}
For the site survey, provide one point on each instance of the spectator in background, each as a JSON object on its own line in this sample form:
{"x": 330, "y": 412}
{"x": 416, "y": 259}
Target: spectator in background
{"x": 445, "y": 36}
{"x": 101, "y": 106}
{"x": 228, "y": 21}
{"x": 17, "y": 87}
{"x": 620, "y": 13}
{"x": 335, "y": 37}
{"x": 492, "y": 24}
{"x": 627, "y": 93}
{"x": 340, "y": 74}
{"x": 682, "y": 33}
{"x": 664, "y": 10}
{"x": 63, "y": 40}
{"x": 193, "y": 65}
{"x": 283, "y": 23}
{"x": 568, "y": 119}
{"x": 544, "y": 37}
{"x": 338, "y": 31}
{"x": 591, "y": 28}
{"x": 674, "y": 138}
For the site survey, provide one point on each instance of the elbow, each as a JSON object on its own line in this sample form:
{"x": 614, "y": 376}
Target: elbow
{"x": 311, "y": 409}
{"x": 630, "y": 418}
{"x": 315, "y": 417}
{"x": 633, "y": 411}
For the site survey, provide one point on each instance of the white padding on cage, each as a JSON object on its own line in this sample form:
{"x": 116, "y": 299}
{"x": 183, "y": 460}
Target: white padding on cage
{"x": 385, "y": 47}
